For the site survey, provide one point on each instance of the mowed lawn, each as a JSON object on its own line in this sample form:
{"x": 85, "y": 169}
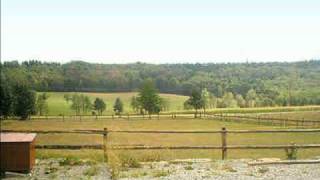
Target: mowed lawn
{"x": 59, "y": 106}
{"x": 162, "y": 139}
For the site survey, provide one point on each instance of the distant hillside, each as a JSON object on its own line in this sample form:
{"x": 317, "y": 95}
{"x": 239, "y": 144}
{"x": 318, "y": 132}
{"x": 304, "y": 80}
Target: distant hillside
{"x": 274, "y": 82}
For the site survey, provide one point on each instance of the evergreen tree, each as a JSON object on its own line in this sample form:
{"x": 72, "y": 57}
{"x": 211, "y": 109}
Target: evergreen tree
{"x": 149, "y": 98}
{"x": 24, "y": 101}
{"x": 195, "y": 101}
{"x": 41, "y": 104}
{"x": 99, "y": 105}
{"x": 6, "y": 100}
{"x": 118, "y": 107}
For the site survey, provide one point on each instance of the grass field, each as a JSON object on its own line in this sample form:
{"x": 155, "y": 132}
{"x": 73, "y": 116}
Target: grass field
{"x": 58, "y": 105}
{"x": 301, "y": 115}
{"x": 162, "y": 139}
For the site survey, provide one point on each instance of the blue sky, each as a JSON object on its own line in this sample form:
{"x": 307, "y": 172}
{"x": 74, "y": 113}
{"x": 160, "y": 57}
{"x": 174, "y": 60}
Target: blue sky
{"x": 164, "y": 31}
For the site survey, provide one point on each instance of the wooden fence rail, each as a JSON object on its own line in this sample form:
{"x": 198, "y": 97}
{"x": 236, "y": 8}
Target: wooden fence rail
{"x": 270, "y": 120}
{"x": 141, "y": 147}
{"x": 224, "y": 147}
{"x": 94, "y": 131}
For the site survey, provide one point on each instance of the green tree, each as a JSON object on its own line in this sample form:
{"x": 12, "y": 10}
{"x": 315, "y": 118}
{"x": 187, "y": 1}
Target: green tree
{"x": 76, "y": 103}
{"x": 67, "y": 97}
{"x": 118, "y": 106}
{"x": 42, "y": 104}
{"x": 241, "y": 101}
{"x": 213, "y": 101}
{"x": 149, "y": 98}
{"x": 135, "y": 104}
{"x": 195, "y": 101}
{"x": 24, "y": 101}
{"x": 99, "y": 105}
{"x": 164, "y": 103}
{"x": 251, "y": 98}
{"x": 205, "y": 97}
{"x": 228, "y": 100}
{"x": 81, "y": 104}
{"x": 86, "y": 104}
{"x": 6, "y": 100}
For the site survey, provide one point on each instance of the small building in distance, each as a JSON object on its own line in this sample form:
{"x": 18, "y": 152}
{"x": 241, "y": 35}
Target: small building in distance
{"x": 17, "y": 152}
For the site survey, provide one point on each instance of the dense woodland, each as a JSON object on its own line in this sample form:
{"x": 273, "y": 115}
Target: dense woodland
{"x": 269, "y": 84}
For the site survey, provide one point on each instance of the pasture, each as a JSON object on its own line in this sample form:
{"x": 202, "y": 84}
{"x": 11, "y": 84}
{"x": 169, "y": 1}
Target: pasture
{"x": 58, "y": 105}
{"x": 301, "y": 115}
{"x": 181, "y": 123}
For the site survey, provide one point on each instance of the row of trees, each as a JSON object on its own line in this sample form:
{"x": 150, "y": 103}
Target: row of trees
{"x": 148, "y": 101}
{"x": 82, "y": 104}
{"x": 19, "y": 100}
{"x": 205, "y": 100}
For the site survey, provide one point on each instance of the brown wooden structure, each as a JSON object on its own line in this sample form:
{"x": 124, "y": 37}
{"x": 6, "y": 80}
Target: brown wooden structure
{"x": 17, "y": 152}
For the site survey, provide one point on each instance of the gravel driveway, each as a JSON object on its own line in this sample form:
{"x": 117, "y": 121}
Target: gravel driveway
{"x": 192, "y": 169}
{"x": 224, "y": 170}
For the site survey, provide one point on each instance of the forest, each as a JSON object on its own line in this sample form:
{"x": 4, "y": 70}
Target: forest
{"x": 271, "y": 84}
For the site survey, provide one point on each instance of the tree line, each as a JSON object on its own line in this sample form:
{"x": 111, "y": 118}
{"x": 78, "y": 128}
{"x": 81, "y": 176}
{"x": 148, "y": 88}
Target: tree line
{"x": 21, "y": 101}
{"x": 205, "y": 100}
{"x": 274, "y": 83}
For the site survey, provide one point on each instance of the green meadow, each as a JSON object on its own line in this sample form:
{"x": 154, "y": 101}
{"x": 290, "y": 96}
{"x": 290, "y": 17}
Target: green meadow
{"x": 58, "y": 105}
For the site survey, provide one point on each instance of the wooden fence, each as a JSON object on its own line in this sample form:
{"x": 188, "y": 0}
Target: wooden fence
{"x": 284, "y": 122}
{"x": 223, "y": 147}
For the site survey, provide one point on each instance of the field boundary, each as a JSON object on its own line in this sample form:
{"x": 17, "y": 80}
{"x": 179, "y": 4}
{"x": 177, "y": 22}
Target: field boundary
{"x": 284, "y": 122}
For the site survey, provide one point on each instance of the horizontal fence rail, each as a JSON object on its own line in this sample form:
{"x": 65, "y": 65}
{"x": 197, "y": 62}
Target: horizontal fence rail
{"x": 223, "y": 147}
{"x": 143, "y": 147}
{"x": 94, "y": 131}
{"x": 269, "y": 120}
{"x": 259, "y": 119}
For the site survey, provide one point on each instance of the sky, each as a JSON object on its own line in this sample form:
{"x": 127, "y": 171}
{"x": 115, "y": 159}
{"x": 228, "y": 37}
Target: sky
{"x": 166, "y": 31}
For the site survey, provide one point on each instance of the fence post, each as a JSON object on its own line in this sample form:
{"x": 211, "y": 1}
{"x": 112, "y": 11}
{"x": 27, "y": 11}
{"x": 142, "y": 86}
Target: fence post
{"x": 105, "y": 138}
{"x": 224, "y": 143}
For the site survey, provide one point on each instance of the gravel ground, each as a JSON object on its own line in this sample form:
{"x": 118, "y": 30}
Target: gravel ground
{"x": 221, "y": 170}
{"x": 192, "y": 169}
{"x": 62, "y": 169}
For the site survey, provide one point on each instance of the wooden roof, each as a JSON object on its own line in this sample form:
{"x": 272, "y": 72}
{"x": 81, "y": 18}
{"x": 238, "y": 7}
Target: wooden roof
{"x": 17, "y": 137}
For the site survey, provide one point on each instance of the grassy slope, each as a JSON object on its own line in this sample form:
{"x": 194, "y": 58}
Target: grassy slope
{"x": 57, "y": 104}
{"x": 164, "y": 139}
